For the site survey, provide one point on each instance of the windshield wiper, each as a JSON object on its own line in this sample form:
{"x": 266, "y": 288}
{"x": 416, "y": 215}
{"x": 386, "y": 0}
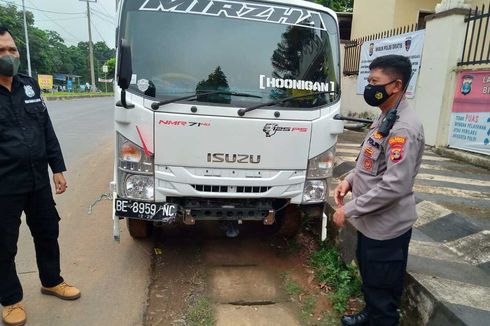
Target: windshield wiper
{"x": 156, "y": 105}
{"x": 242, "y": 112}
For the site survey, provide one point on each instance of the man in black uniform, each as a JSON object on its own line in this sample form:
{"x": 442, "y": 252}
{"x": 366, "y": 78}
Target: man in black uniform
{"x": 27, "y": 145}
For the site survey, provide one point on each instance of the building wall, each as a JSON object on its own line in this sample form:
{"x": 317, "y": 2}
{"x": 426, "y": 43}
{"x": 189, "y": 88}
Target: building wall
{"x": 372, "y": 16}
{"x": 375, "y": 16}
{"x": 408, "y": 11}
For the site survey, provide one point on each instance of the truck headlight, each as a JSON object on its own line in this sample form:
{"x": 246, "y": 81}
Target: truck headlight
{"x": 321, "y": 166}
{"x": 315, "y": 191}
{"x": 140, "y": 186}
{"x": 135, "y": 175}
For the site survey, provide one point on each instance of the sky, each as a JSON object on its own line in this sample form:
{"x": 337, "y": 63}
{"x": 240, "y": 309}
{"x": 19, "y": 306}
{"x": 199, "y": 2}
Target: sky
{"x": 69, "y": 18}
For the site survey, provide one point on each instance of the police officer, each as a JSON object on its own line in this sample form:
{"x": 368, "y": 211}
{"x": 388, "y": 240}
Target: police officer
{"x": 382, "y": 208}
{"x": 27, "y": 145}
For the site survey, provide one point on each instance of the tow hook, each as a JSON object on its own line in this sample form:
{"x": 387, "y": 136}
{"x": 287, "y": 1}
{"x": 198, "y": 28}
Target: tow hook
{"x": 270, "y": 218}
{"x": 188, "y": 218}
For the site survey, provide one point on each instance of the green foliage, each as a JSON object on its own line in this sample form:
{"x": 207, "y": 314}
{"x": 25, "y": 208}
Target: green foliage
{"x": 201, "y": 313}
{"x": 49, "y": 53}
{"x": 111, "y": 64}
{"x": 331, "y": 270}
{"x": 337, "y": 5}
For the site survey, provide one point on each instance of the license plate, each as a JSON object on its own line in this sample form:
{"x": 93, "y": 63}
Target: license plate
{"x": 145, "y": 211}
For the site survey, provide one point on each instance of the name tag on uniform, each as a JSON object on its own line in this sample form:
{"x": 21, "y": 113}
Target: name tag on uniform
{"x": 36, "y": 100}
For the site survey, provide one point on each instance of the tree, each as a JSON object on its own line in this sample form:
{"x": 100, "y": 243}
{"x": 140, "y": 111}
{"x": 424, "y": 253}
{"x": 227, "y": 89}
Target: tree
{"x": 216, "y": 81}
{"x": 337, "y": 5}
{"x": 111, "y": 66}
{"x": 49, "y": 53}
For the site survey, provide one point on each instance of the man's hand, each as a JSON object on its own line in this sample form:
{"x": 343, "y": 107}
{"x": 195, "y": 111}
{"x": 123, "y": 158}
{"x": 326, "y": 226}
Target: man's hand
{"x": 339, "y": 217}
{"x": 59, "y": 183}
{"x": 340, "y": 191}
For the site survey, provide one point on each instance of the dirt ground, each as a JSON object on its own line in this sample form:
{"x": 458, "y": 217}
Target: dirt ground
{"x": 246, "y": 280}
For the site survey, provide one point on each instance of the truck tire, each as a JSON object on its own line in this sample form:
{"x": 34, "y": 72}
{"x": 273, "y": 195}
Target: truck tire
{"x": 138, "y": 229}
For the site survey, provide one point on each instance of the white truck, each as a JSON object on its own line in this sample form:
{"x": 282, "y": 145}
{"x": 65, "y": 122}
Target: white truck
{"x": 224, "y": 111}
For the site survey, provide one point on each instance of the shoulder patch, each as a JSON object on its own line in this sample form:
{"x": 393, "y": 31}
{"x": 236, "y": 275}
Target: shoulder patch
{"x": 396, "y": 144}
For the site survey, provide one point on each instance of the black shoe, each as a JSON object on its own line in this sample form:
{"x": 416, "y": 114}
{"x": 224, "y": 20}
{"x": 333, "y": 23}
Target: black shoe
{"x": 358, "y": 319}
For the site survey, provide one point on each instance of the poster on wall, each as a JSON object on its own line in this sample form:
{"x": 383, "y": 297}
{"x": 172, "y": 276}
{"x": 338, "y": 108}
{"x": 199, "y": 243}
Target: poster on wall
{"x": 408, "y": 44}
{"x": 470, "y": 117}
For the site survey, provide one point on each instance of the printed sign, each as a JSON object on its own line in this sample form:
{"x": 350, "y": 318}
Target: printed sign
{"x": 470, "y": 117}
{"x": 408, "y": 44}
{"x": 241, "y": 10}
{"x": 45, "y": 81}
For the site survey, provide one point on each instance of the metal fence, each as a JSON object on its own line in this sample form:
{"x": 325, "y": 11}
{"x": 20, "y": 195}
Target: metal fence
{"x": 353, "y": 48}
{"x": 476, "y": 49}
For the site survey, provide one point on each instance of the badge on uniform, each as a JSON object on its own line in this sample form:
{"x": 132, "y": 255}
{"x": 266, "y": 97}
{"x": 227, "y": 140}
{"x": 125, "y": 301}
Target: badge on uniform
{"x": 368, "y": 164}
{"x": 29, "y": 91}
{"x": 368, "y": 151}
{"x": 396, "y": 144}
{"x": 377, "y": 135}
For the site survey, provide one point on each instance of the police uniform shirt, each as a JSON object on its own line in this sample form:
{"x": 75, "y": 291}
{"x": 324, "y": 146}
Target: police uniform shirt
{"x": 27, "y": 139}
{"x": 383, "y": 204}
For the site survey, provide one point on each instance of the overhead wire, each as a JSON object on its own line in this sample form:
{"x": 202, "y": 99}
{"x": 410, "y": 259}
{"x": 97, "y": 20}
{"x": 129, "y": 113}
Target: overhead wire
{"x": 56, "y": 23}
{"x": 41, "y": 10}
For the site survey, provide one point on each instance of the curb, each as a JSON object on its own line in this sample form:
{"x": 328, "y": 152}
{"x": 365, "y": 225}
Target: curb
{"x": 63, "y": 98}
{"x": 479, "y": 160}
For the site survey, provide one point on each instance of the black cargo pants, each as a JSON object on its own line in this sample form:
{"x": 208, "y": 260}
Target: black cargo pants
{"x": 42, "y": 219}
{"x": 383, "y": 265}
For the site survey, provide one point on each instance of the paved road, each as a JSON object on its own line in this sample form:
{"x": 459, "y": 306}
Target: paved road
{"x": 113, "y": 277}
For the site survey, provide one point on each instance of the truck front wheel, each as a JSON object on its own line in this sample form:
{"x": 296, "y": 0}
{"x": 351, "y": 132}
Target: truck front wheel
{"x": 138, "y": 229}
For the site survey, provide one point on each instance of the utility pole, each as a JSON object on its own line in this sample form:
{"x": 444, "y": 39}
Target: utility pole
{"x": 27, "y": 41}
{"x": 90, "y": 46}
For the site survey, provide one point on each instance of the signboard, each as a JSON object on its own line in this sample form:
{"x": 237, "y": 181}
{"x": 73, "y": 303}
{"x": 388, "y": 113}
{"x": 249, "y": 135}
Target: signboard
{"x": 104, "y": 80}
{"x": 69, "y": 84}
{"x": 45, "y": 81}
{"x": 408, "y": 44}
{"x": 105, "y": 69}
{"x": 470, "y": 117}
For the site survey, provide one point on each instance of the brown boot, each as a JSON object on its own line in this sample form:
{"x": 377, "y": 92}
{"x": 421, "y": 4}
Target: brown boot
{"x": 63, "y": 291}
{"x": 14, "y": 315}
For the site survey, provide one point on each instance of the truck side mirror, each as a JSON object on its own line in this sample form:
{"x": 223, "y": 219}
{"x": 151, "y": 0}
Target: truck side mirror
{"x": 124, "y": 72}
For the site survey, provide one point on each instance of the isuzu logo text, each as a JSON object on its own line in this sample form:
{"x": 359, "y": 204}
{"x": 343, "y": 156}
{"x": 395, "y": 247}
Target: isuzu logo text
{"x": 233, "y": 158}
{"x": 240, "y": 10}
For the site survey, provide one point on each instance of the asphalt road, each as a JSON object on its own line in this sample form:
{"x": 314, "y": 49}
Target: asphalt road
{"x": 113, "y": 277}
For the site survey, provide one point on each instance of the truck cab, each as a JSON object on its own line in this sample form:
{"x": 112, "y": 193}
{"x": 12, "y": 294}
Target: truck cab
{"x": 224, "y": 111}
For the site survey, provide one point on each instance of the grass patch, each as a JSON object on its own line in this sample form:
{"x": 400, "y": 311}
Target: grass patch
{"x": 201, "y": 313}
{"x": 332, "y": 271}
{"x": 291, "y": 287}
{"x": 308, "y": 308}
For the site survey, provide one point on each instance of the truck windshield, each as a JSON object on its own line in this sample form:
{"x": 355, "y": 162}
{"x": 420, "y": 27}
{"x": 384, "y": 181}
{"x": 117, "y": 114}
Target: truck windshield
{"x": 184, "y": 47}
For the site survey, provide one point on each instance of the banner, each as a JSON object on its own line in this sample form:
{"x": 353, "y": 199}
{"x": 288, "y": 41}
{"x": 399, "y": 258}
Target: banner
{"x": 470, "y": 117}
{"x": 104, "y": 80}
{"x": 408, "y": 44}
{"x": 45, "y": 81}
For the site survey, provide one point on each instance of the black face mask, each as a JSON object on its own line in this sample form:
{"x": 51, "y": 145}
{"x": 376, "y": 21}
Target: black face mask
{"x": 375, "y": 95}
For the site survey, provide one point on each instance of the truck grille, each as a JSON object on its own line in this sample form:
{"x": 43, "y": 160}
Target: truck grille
{"x": 231, "y": 189}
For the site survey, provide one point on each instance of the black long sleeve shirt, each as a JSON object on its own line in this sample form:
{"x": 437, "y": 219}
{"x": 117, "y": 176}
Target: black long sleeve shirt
{"x": 28, "y": 142}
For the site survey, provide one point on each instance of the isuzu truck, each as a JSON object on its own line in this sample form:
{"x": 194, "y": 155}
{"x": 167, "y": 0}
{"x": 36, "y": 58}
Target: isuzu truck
{"x": 224, "y": 110}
